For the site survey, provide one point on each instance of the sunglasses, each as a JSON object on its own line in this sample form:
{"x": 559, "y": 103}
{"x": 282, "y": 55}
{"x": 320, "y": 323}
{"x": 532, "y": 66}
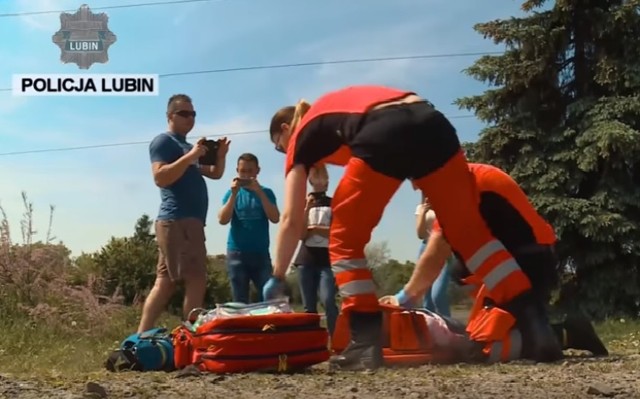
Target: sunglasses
{"x": 186, "y": 114}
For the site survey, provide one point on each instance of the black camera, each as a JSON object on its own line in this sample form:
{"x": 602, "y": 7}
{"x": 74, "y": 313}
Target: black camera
{"x": 211, "y": 156}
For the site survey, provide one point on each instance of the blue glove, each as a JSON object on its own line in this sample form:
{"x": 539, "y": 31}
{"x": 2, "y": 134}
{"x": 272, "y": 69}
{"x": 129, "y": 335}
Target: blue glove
{"x": 403, "y": 299}
{"x": 274, "y": 288}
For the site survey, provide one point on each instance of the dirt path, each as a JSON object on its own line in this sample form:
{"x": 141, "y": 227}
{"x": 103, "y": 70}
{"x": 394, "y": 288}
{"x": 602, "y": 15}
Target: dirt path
{"x": 576, "y": 377}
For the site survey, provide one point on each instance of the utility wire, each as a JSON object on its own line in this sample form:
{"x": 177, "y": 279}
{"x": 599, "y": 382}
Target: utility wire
{"x": 130, "y": 143}
{"x": 317, "y": 63}
{"x": 155, "y": 3}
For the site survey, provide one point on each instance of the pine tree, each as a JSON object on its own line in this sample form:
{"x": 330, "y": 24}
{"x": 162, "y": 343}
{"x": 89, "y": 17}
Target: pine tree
{"x": 563, "y": 115}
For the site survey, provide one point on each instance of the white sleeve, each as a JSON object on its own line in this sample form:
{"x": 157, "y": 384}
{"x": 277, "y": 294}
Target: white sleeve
{"x": 418, "y": 208}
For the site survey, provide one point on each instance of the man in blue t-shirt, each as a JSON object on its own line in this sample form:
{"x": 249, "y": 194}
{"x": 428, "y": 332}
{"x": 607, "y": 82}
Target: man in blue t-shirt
{"x": 183, "y": 211}
{"x": 249, "y": 207}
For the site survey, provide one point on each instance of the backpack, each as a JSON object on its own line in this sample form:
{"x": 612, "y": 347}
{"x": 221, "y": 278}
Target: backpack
{"x": 151, "y": 350}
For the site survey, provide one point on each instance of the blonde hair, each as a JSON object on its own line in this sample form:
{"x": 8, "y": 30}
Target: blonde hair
{"x": 300, "y": 110}
{"x": 290, "y": 115}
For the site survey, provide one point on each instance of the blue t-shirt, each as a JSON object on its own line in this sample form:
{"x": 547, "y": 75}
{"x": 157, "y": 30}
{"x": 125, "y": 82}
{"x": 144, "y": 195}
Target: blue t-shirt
{"x": 186, "y": 197}
{"x": 249, "y": 230}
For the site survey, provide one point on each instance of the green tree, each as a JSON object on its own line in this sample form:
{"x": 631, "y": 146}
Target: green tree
{"x": 563, "y": 112}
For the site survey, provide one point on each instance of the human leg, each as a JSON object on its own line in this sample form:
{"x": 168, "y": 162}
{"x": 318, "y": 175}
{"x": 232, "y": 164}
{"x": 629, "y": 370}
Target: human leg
{"x": 308, "y": 280}
{"x": 170, "y": 245}
{"x": 440, "y": 292}
{"x": 360, "y": 188}
{"x": 328, "y": 290}
{"x": 259, "y": 266}
{"x": 238, "y": 276}
{"x": 194, "y": 271}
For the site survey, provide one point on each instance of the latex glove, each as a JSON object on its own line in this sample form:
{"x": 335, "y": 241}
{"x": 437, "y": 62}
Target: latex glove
{"x": 274, "y": 288}
{"x": 403, "y": 299}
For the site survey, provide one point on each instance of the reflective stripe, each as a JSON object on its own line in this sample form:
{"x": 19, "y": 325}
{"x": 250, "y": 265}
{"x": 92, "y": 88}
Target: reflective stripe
{"x": 350, "y": 264}
{"x": 357, "y": 287}
{"x": 513, "y": 343}
{"x": 500, "y": 272}
{"x": 482, "y": 254}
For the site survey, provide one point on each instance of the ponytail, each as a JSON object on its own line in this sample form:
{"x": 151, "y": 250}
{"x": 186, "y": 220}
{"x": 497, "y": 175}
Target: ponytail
{"x": 300, "y": 110}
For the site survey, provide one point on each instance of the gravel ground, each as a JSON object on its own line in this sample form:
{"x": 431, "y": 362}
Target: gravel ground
{"x": 576, "y": 377}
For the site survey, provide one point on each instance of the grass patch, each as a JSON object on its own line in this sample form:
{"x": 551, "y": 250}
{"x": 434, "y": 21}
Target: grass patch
{"x": 50, "y": 349}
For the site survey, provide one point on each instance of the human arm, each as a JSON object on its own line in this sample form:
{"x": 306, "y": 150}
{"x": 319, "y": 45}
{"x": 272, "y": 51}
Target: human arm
{"x": 322, "y": 231}
{"x": 292, "y": 220}
{"x": 165, "y": 171}
{"x": 228, "y": 203}
{"x": 268, "y": 200}
{"x": 428, "y": 267}
{"x": 421, "y": 223}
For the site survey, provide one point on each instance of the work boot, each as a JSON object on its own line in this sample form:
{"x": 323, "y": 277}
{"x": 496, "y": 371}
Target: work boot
{"x": 539, "y": 340}
{"x": 576, "y": 332}
{"x": 364, "y": 352}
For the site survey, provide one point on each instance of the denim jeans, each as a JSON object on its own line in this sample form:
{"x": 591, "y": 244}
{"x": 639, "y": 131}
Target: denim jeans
{"x": 246, "y": 267}
{"x": 437, "y": 298}
{"x": 313, "y": 279}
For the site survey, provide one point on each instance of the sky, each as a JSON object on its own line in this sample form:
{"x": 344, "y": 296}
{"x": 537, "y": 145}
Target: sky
{"x": 99, "y": 193}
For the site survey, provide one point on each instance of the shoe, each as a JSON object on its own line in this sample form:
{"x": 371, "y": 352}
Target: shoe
{"x": 364, "y": 352}
{"x": 577, "y": 332}
{"x": 539, "y": 341}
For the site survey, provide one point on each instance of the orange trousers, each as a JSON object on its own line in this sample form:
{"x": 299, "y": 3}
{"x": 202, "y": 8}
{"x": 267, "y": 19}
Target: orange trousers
{"x": 359, "y": 203}
{"x": 495, "y": 328}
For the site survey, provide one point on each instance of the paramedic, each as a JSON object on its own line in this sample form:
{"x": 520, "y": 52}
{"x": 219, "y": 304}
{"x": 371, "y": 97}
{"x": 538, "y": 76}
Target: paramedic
{"x": 515, "y": 222}
{"x": 384, "y": 136}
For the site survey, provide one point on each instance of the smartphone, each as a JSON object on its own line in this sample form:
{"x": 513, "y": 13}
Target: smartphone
{"x": 244, "y": 182}
{"x": 211, "y": 156}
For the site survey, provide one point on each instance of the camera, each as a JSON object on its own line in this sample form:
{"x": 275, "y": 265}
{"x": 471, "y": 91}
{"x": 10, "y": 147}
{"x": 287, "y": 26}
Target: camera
{"x": 211, "y": 156}
{"x": 243, "y": 182}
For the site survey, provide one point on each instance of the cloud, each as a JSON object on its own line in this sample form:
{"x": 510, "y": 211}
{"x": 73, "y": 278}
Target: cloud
{"x": 394, "y": 41}
{"x": 99, "y": 193}
{"x": 43, "y": 22}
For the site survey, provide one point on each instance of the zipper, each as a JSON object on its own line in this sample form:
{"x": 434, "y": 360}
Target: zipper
{"x": 264, "y": 330}
{"x": 270, "y": 356}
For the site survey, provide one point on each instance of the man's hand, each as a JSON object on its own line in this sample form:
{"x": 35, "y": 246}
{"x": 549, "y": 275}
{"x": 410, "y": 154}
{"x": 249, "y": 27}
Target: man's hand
{"x": 235, "y": 186}
{"x": 223, "y": 148}
{"x": 198, "y": 150}
{"x": 310, "y": 201}
{"x": 254, "y": 186}
{"x": 274, "y": 288}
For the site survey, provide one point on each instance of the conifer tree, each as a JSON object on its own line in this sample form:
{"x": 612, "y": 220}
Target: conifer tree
{"x": 563, "y": 116}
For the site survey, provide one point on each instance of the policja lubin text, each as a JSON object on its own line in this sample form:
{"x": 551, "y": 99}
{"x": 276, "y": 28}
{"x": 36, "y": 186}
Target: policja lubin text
{"x": 85, "y": 85}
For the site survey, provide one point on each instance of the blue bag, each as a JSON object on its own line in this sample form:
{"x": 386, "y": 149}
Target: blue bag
{"x": 151, "y": 350}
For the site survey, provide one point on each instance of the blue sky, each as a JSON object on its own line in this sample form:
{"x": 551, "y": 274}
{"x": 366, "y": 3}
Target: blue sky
{"x": 99, "y": 193}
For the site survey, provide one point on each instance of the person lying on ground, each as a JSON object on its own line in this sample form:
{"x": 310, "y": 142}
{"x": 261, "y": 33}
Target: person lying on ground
{"x": 450, "y": 336}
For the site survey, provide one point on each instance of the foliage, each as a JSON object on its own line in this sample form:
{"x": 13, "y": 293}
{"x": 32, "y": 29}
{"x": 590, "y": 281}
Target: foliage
{"x": 563, "y": 113}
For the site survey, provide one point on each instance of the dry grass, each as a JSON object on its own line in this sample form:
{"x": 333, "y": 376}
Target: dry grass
{"x": 56, "y": 336}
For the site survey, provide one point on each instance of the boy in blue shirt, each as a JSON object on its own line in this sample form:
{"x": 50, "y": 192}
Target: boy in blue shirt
{"x": 249, "y": 207}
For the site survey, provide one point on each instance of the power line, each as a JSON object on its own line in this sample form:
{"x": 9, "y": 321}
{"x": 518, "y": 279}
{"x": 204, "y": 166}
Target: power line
{"x": 123, "y": 144}
{"x": 155, "y": 3}
{"x": 317, "y": 63}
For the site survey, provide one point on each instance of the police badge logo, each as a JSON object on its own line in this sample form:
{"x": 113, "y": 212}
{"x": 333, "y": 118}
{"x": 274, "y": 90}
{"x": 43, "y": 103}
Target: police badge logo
{"x": 84, "y": 38}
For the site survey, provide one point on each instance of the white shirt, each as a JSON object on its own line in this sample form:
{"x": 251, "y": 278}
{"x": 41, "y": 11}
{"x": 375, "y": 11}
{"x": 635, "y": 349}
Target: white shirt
{"x": 318, "y": 216}
{"x": 429, "y": 217}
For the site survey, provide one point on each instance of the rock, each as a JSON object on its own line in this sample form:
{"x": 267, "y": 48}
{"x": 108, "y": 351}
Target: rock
{"x": 94, "y": 390}
{"x": 189, "y": 371}
{"x": 601, "y": 389}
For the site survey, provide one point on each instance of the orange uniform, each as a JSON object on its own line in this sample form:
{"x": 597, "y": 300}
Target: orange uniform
{"x": 513, "y": 220}
{"x": 380, "y": 149}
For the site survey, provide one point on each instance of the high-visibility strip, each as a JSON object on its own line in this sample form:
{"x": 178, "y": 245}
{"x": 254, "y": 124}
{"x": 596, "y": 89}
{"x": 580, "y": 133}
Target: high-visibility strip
{"x": 500, "y": 273}
{"x": 482, "y": 254}
{"x": 348, "y": 265}
{"x": 507, "y": 350}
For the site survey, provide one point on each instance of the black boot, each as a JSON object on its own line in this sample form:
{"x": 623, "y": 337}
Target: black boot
{"x": 576, "y": 332}
{"x": 539, "y": 341}
{"x": 364, "y": 352}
